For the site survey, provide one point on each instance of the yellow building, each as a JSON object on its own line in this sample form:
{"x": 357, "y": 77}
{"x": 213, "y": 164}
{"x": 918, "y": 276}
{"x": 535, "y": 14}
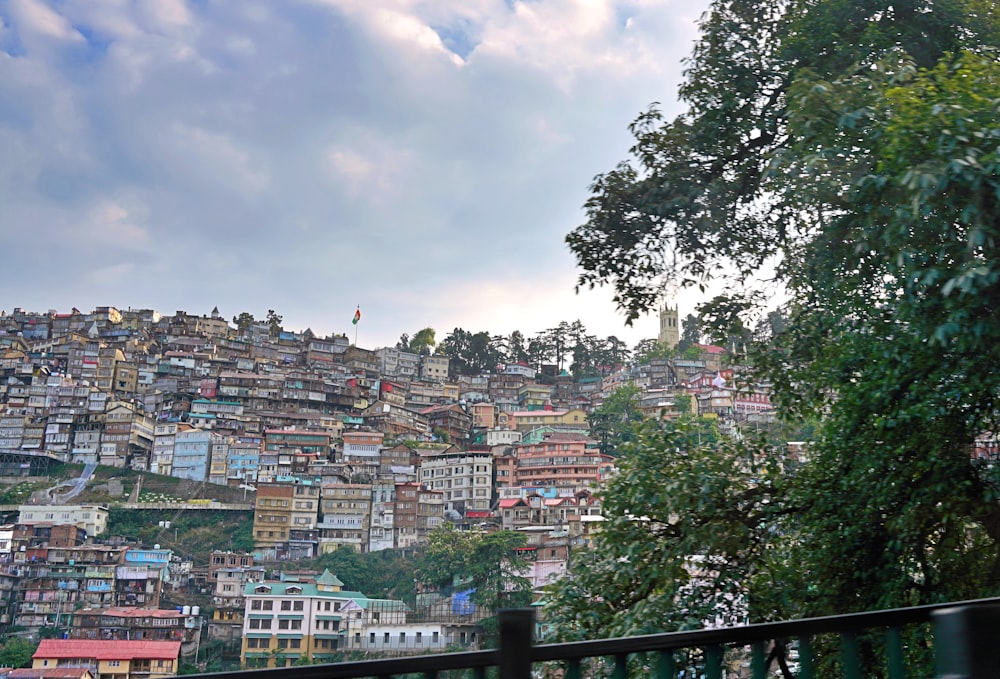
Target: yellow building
{"x": 111, "y": 659}
{"x": 526, "y": 420}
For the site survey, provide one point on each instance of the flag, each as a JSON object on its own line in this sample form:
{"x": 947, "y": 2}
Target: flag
{"x": 719, "y": 381}
{"x": 357, "y": 316}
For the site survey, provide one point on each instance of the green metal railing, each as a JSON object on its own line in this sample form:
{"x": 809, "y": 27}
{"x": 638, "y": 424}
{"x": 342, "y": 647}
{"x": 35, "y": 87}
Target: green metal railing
{"x": 966, "y": 639}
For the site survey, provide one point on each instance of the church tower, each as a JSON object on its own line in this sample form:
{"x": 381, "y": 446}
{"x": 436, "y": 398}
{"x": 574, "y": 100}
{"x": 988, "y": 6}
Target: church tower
{"x": 670, "y": 332}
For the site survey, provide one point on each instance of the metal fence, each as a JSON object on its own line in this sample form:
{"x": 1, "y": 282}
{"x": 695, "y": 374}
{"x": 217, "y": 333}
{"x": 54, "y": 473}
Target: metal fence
{"x": 966, "y": 641}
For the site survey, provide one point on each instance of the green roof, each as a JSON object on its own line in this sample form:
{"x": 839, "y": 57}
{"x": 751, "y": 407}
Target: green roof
{"x": 308, "y": 589}
{"x": 329, "y": 579}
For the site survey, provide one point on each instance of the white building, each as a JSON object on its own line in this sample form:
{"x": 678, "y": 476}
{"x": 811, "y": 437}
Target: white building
{"x": 464, "y": 478}
{"x": 91, "y": 518}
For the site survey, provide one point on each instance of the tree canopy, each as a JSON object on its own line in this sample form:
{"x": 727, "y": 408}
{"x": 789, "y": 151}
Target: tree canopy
{"x": 490, "y": 563}
{"x": 850, "y": 149}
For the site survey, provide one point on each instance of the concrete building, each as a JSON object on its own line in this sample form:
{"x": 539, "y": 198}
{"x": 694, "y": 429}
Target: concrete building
{"x": 91, "y": 518}
{"x": 465, "y": 478}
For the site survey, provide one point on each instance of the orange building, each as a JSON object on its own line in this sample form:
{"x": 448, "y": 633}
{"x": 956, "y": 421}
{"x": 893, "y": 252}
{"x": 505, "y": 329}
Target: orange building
{"x": 561, "y": 461}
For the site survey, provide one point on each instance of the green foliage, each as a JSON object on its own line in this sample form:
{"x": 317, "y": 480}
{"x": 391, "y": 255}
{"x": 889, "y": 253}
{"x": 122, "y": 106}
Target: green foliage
{"x": 613, "y": 422}
{"x": 690, "y": 333}
{"x": 423, "y": 342}
{"x": 383, "y": 574}
{"x": 274, "y": 322}
{"x": 194, "y": 533}
{"x": 15, "y": 652}
{"x": 19, "y": 492}
{"x": 649, "y": 349}
{"x": 695, "y": 531}
{"x": 854, "y": 146}
{"x": 243, "y": 322}
{"x": 489, "y": 562}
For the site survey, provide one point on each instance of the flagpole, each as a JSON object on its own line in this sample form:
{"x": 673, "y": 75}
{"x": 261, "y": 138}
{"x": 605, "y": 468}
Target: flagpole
{"x": 356, "y": 324}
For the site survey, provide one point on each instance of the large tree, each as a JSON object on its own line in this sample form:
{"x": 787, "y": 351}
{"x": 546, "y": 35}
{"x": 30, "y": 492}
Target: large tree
{"x": 493, "y": 564}
{"x": 851, "y": 147}
{"x": 613, "y": 422}
{"x": 694, "y": 533}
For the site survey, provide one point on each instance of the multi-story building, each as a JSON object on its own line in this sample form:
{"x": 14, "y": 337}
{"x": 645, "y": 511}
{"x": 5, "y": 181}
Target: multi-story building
{"x": 192, "y": 453}
{"x": 434, "y": 368}
{"x": 218, "y": 463}
{"x": 127, "y": 432}
{"x": 451, "y": 420}
{"x": 139, "y": 580}
{"x": 563, "y": 461}
{"x": 574, "y": 420}
{"x": 430, "y": 512}
{"x": 91, "y": 518}
{"x": 55, "y": 581}
{"x": 289, "y": 620}
{"x": 346, "y": 516}
{"x": 164, "y": 439}
{"x": 272, "y": 518}
{"x": 228, "y": 573}
{"x": 405, "y": 514}
{"x": 243, "y": 462}
{"x": 465, "y": 478}
{"x": 398, "y": 364}
{"x": 381, "y": 530}
{"x": 138, "y": 624}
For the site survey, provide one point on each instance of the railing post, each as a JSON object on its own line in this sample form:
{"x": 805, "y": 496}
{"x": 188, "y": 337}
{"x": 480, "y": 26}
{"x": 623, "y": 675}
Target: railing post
{"x": 516, "y": 632}
{"x": 967, "y": 642}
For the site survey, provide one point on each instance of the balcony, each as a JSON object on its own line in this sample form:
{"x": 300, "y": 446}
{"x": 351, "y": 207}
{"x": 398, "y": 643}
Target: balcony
{"x": 965, "y": 636}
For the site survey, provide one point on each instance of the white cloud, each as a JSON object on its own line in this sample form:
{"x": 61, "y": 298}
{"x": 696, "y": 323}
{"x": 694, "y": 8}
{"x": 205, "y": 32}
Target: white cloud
{"x": 217, "y": 158}
{"x": 34, "y": 18}
{"x": 111, "y": 222}
{"x": 418, "y": 157}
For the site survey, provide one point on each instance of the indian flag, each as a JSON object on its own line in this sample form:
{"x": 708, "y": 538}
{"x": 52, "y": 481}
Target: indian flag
{"x": 357, "y": 316}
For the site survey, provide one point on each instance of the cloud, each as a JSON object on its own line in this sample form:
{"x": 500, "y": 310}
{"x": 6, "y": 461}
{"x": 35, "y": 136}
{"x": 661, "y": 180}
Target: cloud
{"x": 35, "y": 19}
{"x": 423, "y": 159}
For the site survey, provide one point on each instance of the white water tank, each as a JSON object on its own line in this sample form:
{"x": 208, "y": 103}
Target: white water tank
{"x": 187, "y": 610}
{"x": 195, "y": 610}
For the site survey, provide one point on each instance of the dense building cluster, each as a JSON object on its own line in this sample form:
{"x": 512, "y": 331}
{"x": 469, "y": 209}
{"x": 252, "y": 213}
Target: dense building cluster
{"x": 334, "y": 445}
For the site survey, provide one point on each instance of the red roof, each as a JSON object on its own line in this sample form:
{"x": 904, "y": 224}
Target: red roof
{"x": 133, "y": 612}
{"x": 108, "y": 650}
{"x": 710, "y": 349}
{"x": 511, "y": 502}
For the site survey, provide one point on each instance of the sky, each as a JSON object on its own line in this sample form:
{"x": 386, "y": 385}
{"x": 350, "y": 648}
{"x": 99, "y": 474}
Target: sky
{"x": 421, "y": 160}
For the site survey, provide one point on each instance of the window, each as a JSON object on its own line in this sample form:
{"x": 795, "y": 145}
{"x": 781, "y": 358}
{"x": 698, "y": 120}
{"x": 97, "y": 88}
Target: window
{"x": 295, "y": 643}
{"x": 296, "y": 624}
{"x": 435, "y": 636}
{"x": 283, "y": 624}
{"x": 371, "y": 637}
{"x": 402, "y": 637}
{"x": 255, "y": 605}
{"x": 268, "y": 605}
{"x": 286, "y": 605}
{"x": 283, "y": 643}
{"x": 297, "y": 606}
{"x": 386, "y": 638}
{"x": 420, "y": 636}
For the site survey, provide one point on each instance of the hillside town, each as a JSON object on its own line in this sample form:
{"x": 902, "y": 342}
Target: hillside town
{"x": 332, "y": 445}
